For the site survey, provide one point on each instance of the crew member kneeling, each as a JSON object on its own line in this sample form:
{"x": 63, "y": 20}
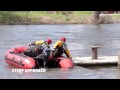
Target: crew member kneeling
{"x": 40, "y": 50}
{"x": 60, "y": 48}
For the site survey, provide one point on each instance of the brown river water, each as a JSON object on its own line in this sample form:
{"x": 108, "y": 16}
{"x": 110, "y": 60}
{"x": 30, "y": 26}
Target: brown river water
{"x": 79, "y": 39}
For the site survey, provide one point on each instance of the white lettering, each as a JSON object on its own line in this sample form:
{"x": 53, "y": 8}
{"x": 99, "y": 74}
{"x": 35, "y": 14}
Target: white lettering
{"x": 28, "y": 70}
{"x": 18, "y": 70}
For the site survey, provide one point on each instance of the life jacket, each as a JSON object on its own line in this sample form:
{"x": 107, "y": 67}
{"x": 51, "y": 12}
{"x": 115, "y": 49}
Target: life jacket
{"x": 35, "y": 50}
{"x": 40, "y": 42}
{"x": 39, "y": 47}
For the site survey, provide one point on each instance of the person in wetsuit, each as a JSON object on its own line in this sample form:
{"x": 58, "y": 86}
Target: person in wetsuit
{"x": 40, "y": 50}
{"x": 60, "y": 48}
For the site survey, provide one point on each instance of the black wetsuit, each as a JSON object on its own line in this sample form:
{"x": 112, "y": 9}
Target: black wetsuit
{"x": 40, "y": 53}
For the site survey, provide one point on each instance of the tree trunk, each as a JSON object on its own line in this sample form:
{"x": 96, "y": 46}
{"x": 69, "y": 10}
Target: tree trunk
{"x": 27, "y": 17}
{"x": 96, "y": 15}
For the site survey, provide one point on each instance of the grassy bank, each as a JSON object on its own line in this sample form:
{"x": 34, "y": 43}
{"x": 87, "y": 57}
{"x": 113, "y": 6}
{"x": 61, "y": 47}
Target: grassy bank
{"x": 41, "y": 17}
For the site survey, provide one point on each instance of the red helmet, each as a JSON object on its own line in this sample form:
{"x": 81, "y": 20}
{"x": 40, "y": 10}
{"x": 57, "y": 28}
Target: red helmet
{"x": 63, "y": 39}
{"x": 49, "y": 41}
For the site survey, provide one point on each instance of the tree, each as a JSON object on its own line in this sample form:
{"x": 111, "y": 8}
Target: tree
{"x": 96, "y": 16}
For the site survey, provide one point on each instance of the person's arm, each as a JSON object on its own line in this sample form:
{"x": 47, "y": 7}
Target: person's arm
{"x": 66, "y": 51}
{"x": 55, "y": 45}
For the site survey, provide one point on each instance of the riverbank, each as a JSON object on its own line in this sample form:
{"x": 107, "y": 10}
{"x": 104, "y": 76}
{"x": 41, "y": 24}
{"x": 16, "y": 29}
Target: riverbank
{"x": 31, "y": 18}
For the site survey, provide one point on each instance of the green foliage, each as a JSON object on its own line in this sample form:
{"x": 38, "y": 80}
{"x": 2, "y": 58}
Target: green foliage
{"x": 58, "y": 12}
{"x": 38, "y": 17}
{"x": 83, "y": 12}
{"x": 67, "y": 12}
{"x": 8, "y": 17}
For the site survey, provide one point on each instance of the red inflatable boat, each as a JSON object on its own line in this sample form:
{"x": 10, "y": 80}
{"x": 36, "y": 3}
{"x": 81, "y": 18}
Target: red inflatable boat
{"x": 14, "y": 57}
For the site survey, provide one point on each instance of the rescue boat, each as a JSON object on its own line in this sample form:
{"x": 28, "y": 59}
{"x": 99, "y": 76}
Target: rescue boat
{"x": 15, "y": 57}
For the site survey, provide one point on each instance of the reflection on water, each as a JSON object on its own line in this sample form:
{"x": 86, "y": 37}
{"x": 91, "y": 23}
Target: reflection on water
{"x": 79, "y": 40}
